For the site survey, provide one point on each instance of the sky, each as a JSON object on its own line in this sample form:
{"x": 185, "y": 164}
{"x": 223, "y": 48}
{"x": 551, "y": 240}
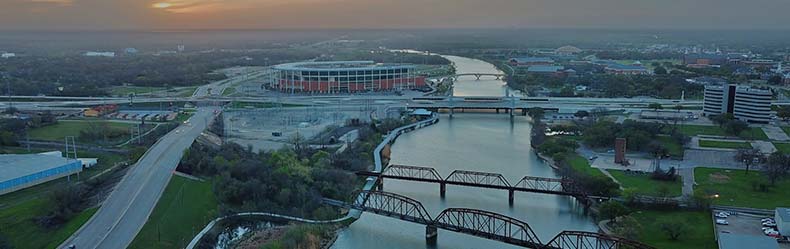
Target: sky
{"x": 386, "y": 14}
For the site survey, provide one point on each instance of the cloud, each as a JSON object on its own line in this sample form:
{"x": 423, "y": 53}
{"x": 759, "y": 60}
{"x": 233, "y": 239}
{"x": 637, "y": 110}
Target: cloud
{"x": 57, "y": 2}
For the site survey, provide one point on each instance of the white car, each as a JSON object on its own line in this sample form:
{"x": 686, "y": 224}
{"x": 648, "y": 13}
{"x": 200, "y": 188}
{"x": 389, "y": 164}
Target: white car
{"x": 767, "y": 220}
{"x": 722, "y": 222}
{"x": 721, "y": 215}
{"x": 772, "y": 233}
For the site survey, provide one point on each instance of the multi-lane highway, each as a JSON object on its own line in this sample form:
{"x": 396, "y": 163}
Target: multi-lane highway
{"x": 125, "y": 212}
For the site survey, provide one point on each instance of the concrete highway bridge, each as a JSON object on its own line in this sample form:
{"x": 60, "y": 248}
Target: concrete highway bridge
{"x": 482, "y": 224}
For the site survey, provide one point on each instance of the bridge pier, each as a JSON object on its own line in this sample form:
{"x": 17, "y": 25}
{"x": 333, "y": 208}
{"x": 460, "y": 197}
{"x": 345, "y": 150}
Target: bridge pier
{"x": 511, "y": 196}
{"x": 442, "y": 189}
{"x": 497, "y": 110}
{"x": 431, "y": 234}
{"x": 380, "y": 186}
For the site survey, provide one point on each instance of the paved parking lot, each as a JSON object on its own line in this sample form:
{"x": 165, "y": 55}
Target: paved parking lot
{"x": 744, "y": 224}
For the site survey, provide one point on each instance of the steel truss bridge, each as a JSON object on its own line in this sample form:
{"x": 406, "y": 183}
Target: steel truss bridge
{"x": 556, "y": 186}
{"x": 498, "y": 76}
{"x": 482, "y": 224}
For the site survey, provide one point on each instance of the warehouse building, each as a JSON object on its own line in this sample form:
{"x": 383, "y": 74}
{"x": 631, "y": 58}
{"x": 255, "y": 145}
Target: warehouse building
{"x": 18, "y": 171}
{"x": 745, "y": 103}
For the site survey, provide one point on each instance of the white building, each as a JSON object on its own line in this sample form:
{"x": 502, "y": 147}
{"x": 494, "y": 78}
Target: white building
{"x": 745, "y": 103}
{"x": 99, "y": 54}
{"x": 7, "y": 55}
{"x": 782, "y": 218}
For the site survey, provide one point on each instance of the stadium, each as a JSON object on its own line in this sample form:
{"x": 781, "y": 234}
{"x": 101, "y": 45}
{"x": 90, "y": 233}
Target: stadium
{"x": 346, "y": 77}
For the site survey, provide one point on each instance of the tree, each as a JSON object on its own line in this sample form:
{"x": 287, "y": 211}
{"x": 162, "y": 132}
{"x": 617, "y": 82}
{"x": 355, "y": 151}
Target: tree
{"x": 627, "y": 227}
{"x": 612, "y": 209}
{"x": 660, "y": 70}
{"x": 735, "y": 127}
{"x": 776, "y": 167}
{"x": 783, "y": 113}
{"x": 721, "y": 119}
{"x": 775, "y": 80}
{"x": 536, "y": 113}
{"x": 657, "y": 149}
{"x": 655, "y": 106}
{"x": 749, "y": 157}
{"x": 581, "y": 114}
{"x": 673, "y": 228}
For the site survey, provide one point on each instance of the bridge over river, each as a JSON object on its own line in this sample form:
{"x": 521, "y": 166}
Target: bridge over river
{"x": 482, "y": 224}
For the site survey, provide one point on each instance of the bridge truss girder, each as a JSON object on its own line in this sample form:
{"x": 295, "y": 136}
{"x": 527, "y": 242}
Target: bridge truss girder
{"x": 590, "y": 240}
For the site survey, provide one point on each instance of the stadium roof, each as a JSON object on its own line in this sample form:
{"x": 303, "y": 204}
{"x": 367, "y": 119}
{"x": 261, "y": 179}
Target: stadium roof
{"x": 340, "y": 66}
{"x": 13, "y": 166}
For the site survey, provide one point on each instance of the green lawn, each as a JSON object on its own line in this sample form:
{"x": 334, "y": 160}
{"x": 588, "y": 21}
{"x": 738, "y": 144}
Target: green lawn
{"x": 184, "y": 209}
{"x": 581, "y": 165}
{"x": 229, "y": 91}
{"x": 783, "y": 147}
{"x": 18, "y": 224}
{"x": 724, "y": 144}
{"x": 65, "y": 128}
{"x": 643, "y": 185}
{"x": 675, "y": 149}
{"x": 699, "y": 236}
{"x": 693, "y": 130}
{"x": 786, "y": 129}
{"x": 735, "y": 188}
{"x": 126, "y": 90}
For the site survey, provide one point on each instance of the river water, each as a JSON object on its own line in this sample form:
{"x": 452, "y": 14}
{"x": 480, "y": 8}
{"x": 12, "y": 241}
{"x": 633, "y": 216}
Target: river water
{"x": 480, "y": 142}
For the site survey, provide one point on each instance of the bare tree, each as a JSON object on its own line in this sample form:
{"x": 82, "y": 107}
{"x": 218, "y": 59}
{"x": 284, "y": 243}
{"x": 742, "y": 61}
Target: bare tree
{"x": 749, "y": 157}
{"x": 777, "y": 167}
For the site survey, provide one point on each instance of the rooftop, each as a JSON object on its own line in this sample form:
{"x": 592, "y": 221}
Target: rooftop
{"x": 341, "y": 65}
{"x": 13, "y": 166}
{"x": 618, "y": 66}
{"x": 545, "y": 69}
{"x": 740, "y": 241}
{"x": 784, "y": 213}
{"x": 532, "y": 59}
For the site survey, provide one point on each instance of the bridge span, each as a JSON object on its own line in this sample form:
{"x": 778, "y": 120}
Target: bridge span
{"x": 497, "y": 76}
{"x": 482, "y": 224}
{"x": 543, "y": 185}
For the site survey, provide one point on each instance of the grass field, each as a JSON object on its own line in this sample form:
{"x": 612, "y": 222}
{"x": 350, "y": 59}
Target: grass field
{"x": 724, "y": 144}
{"x": 65, "y": 128}
{"x": 786, "y": 129}
{"x": 693, "y": 130}
{"x": 675, "y": 149}
{"x": 184, "y": 209}
{"x": 783, "y": 147}
{"x": 643, "y": 185}
{"x": 699, "y": 235}
{"x": 580, "y": 164}
{"x": 736, "y": 188}
{"x": 126, "y": 90}
{"x": 18, "y": 224}
{"x": 229, "y": 91}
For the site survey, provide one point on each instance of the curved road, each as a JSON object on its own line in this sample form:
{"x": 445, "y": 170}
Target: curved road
{"x": 125, "y": 212}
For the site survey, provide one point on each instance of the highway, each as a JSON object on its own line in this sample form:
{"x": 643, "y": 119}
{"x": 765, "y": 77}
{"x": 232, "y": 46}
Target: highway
{"x": 124, "y": 213}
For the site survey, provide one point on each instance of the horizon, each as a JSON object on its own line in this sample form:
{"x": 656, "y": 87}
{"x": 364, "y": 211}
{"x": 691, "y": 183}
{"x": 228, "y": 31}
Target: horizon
{"x": 93, "y": 15}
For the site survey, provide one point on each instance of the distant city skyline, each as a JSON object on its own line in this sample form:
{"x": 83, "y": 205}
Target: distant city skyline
{"x": 387, "y": 14}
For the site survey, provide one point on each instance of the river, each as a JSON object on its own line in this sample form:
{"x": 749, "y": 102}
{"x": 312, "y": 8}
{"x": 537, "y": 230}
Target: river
{"x": 480, "y": 142}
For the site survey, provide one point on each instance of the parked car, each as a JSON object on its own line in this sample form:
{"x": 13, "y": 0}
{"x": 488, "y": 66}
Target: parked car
{"x": 722, "y": 215}
{"x": 722, "y": 222}
{"x": 767, "y": 220}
